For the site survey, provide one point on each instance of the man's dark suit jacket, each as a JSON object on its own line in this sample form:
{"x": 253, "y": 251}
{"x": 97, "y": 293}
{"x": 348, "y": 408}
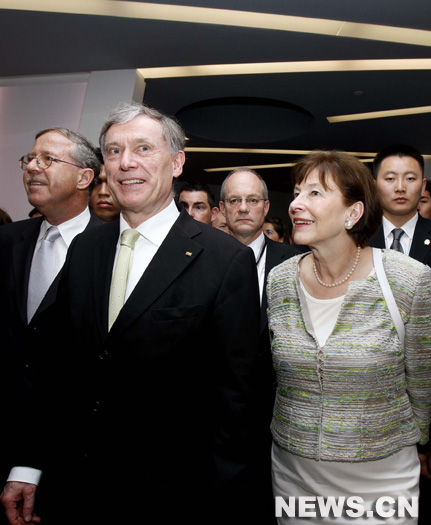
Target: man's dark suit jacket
{"x": 25, "y": 346}
{"x": 164, "y": 401}
{"x": 421, "y": 251}
{"x": 421, "y": 243}
{"x": 276, "y": 253}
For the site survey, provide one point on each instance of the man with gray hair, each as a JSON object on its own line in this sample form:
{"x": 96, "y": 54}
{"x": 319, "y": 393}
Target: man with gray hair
{"x": 163, "y": 347}
{"x": 58, "y": 171}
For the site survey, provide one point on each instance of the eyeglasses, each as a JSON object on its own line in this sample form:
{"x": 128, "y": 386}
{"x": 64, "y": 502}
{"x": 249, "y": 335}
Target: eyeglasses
{"x": 43, "y": 160}
{"x": 234, "y": 202}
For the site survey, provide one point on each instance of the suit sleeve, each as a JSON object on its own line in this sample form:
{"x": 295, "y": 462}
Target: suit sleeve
{"x": 236, "y": 329}
{"x": 418, "y": 354}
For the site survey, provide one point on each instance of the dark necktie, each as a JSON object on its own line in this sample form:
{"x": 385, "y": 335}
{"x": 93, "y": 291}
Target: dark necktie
{"x": 396, "y": 244}
{"x": 42, "y": 271}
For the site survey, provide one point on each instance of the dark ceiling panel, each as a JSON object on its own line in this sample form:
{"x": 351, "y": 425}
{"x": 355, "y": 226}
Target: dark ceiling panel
{"x": 36, "y": 43}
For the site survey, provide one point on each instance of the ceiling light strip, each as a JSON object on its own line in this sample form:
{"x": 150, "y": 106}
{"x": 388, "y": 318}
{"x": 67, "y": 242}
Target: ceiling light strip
{"x": 256, "y": 167}
{"x": 226, "y": 17}
{"x": 379, "y": 114}
{"x": 262, "y": 166}
{"x": 265, "y": 68}
{"x": 266, "y": 151}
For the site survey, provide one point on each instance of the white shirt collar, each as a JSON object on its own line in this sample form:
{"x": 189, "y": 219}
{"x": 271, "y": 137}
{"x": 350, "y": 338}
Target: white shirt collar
{"x": 156, "y": 228}
{"x": 257, "y": 245}
{"x": 68, "y": 229}
{"x": 408, "y": 227}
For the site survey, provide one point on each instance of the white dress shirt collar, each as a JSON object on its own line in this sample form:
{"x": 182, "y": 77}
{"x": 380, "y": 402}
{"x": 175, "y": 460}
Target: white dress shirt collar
{"x": 69, "y": 229}
{"x": 258, "y": 245}
{"x": 156, "y": 228}
{"x": 406, "y": 239}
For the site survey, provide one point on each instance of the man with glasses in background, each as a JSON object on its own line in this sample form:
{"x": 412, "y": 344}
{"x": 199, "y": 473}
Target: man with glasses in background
{"x": 245, "y": 204}
{"x": 58, "y": 173}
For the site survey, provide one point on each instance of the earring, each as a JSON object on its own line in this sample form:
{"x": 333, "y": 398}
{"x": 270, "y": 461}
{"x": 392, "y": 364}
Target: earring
{"x": 348, "y": 224}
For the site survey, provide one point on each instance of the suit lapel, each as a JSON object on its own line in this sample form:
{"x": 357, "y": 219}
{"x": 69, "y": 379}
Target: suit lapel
{"x": 51, "y": 293}
{"x": 272, "y": 259}
{"x": 22, "y": 255}
{"x": 177, "y": 252}
{"x": 104, "y": 255}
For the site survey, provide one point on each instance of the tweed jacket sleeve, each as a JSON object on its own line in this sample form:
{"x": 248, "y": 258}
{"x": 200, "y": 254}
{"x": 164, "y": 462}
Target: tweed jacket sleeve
{"x": 412, "y": 292}
{"x": 369, "y": 396}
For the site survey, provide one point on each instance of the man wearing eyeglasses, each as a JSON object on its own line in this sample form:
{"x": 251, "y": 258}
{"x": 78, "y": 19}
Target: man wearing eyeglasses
{"x": 58, "y": 172}
{"x": 245, "y": 204}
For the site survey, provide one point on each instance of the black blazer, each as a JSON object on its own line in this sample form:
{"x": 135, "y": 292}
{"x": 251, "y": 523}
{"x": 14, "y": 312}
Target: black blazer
{"x": 276, "y": 253}
{"x": 421, "y": 244}
{"x": 165, "y": 398}
{"x": 26, "y": 360}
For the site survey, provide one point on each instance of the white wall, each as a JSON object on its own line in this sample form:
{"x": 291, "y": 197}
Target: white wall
{"x": 79, "y": 102}
{"x": 25, "y": 109}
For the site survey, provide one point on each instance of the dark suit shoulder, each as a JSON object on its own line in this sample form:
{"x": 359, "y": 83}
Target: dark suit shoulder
{"x": 15, "y": 229}
{"x": 285, "y": 250}
{"x": 97, "y": 228}
{"x": 378, "y": 239}
{"x": 94, "y": 221}
{"x": 207, "y": 235}
{"x": 424, "y": 223}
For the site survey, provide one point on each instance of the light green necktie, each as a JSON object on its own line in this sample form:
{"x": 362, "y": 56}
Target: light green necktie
{"x": 121, "y": 273}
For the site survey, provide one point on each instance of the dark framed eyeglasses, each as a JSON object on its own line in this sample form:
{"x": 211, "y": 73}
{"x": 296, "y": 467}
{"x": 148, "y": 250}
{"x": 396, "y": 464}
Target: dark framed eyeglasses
{"x": 43, "y": 160}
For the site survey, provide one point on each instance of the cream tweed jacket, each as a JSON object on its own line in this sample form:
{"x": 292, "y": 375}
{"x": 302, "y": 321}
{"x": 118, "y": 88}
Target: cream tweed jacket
{"x": 361, "y": 396}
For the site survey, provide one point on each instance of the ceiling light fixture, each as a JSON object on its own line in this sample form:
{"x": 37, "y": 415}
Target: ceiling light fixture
{"x": 379, "y": 114}
{"x": 262, "y": 166}
{"x": 225, "y": 17}
{"x": 257, "y": 167}
{"x": 266, "y": 68}
{"x": 266, "y": 151}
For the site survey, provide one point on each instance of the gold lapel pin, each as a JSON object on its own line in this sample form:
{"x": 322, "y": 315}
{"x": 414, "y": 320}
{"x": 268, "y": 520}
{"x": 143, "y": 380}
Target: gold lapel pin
{"x": 427, "y": 241}
{"x": 189, "y": 254}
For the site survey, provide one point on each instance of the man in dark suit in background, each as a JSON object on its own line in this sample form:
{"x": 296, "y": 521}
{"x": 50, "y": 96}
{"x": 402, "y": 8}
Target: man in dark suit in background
{"x": 244, "y": 202}
{"x": 399, "y": 174}
{"x": 400, "y": 182}
{"x": 58, "y": 172}
{"x": 162, "y": 388}
{"x": 198, "y": 200}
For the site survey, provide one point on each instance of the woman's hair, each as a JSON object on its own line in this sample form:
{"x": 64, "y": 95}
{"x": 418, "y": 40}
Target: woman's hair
{"x": 4, "y": 217}
{"x": 355, "y": 182}
{"x": 278, "y": 225}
